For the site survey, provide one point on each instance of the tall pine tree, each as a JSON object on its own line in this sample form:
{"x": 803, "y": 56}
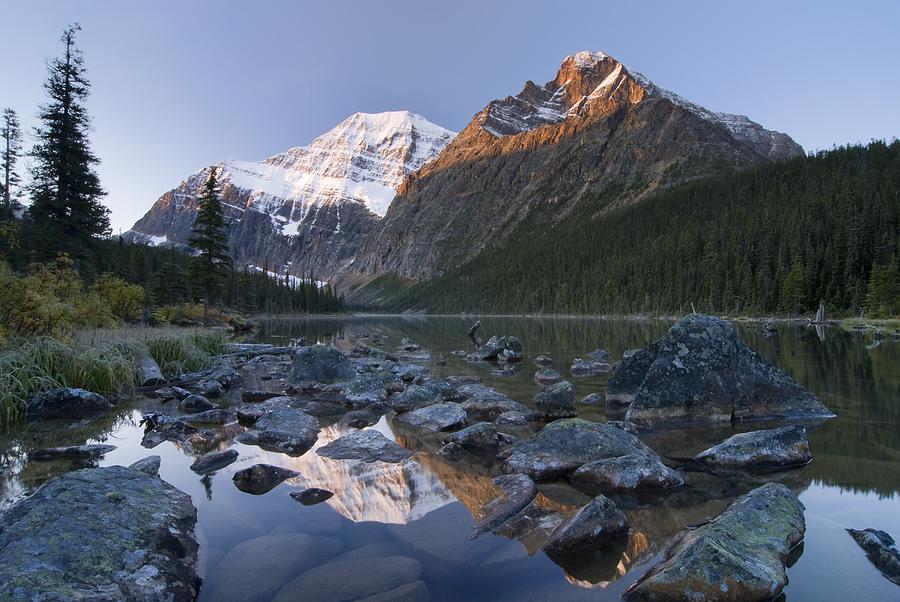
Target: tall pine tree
{"x": 208, "y": 240}
{"x": 11, "y": 139}
{"x": 66, "y": 212}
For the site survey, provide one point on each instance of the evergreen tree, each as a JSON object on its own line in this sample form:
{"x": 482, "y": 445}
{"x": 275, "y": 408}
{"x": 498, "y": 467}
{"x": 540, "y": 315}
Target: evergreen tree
{"x": 66, "y": 211}
{"x": 208, "y": 240}
{"x": 11, "y": 139}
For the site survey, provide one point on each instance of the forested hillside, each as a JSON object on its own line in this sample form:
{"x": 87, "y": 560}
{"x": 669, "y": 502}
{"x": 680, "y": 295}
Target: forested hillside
{"x": 777, "y": 238}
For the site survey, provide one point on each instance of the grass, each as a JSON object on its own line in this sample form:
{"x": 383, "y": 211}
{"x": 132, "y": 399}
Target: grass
{"x": 103, "y": 361}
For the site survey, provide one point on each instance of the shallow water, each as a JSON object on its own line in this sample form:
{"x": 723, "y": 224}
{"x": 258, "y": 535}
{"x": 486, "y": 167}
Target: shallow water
{"x": 424, "y": 509}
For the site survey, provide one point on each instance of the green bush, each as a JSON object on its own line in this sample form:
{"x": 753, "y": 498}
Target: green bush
{"x": 124, "y": 300}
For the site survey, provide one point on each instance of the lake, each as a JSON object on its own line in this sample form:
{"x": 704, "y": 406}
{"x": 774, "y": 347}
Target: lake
{"x": 424, "y": 508}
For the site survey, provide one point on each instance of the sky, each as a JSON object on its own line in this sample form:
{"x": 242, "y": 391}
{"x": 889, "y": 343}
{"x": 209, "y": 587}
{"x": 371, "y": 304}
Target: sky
{"x": 180, "y": 85}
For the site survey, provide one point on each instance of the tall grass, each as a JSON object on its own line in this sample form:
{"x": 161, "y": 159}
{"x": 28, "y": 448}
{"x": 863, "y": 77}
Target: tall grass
{"x": 102, "y": 361}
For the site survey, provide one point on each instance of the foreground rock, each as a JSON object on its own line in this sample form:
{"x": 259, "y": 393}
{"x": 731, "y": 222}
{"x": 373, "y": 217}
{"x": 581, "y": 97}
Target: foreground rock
{"x": 213, "y": 461}
{"x": 65, "y": 403}
{"x": 700, "y": 371}
{"x": 517, "y": 491}
{"x": 262, "y": 478}
{"x": 132, "y": 538}
{"x": 629, "y": 473}
{"x": 563, "y": 446}
{"x": 437, "y": 417}
{"x": 739, "y": 555}
{"x": 282, "y": 428}
{"x": 353, "y": 579}
{"x": 879, "y": 547}
{"x": 599, "y": 520}
{"x": 772, "y": 448}
{"x": 556, "y": 400}
{"x": 369, "y": 446}
{"x": 320, "y": 363}
{"x": 74, "y": 452}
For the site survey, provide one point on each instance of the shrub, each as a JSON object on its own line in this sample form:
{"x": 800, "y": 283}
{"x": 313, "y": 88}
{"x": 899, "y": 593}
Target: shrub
{"x": 124, "y": 300}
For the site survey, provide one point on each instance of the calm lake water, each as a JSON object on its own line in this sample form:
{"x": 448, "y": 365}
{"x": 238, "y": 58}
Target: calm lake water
{"x": 424, "y": 509}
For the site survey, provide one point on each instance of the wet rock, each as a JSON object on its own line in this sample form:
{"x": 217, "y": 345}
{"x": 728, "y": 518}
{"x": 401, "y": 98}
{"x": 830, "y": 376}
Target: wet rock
{"x": 368, "y": 445}
{"x": 408, "y": 345}
{"x": 629, "y": 473}
{"x": 543, "y": 360}
{"x": 563, "y": 446}
{"x": 257, "y": 395}
{"x": 582, "y": 367}
{"x": 486, "y": 404}
{"x": 510, "y": 357}
{"x": 592, "y": 399}
{"x": 180, "y": 393}
{"x": 369, "y": 387}
{"x": 283, "y": 429}
{"x": 149, "y": 465}
{"x": 880, "y": 550}
{"x": 196, "y": 403}
{"x": 351, "y": 579}
{"x": 700, "y": 371}
{"x": 360, "y": 419}
{"x": 547, "y": 376}
{"x": 512, "y": 418}
{"x": 772, "y": 448}
{"x": 495, "y": 346}
{"x": 516, "y": 492}
{"x": 261, "y": 478}
{"x": 438, "y": 417}
{"x": 167, "y": 429}
{"x": 214, "y": 416}
{"x": 320, "y": 363}
{"x": 556, "y": 400}
{"x": 209, "y": 388}
{"x": 65, "y": 403}
{"x": 131, "y": 538}
{"x": 312, "y": 496}
{"x": 479, "y": 439}
{"x": 73, "y": 452}
{"x": 274, "y": 559}
{"x": 599, "y": 355}
{"x": 214, "y": 461}
{"x": 599, "y": 520}
{"x": 739, "y": 555}
{"x": 226, "y": 376}
{"x": 413, "y": 398}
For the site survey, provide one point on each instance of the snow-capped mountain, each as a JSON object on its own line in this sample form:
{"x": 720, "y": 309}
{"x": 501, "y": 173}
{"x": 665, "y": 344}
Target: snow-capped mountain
{"x": 304, "y": 211}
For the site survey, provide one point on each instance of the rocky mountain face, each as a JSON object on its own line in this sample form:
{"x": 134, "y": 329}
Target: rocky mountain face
{"x": 597, "y": 133}
{"x": 307, "y": 210}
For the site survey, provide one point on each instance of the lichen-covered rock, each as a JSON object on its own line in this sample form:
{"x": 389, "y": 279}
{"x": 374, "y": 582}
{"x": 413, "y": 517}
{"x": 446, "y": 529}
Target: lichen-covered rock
{"x": 110, "y": 533}
{"x": 320, "y": 363}
{"x": 368, "y": 445}
{"x": 739, "y": 555}
{"x": 512, "y": 418}
{"x": 597, "y": 521}
{"x": 437, "y": 417}
{"x": 516, "y": 492}
{"x": 563, "y": 446}
{"x": 700, "y": 370}
{"x": 629, "y": 473}
{"x": 149, "y": 465}
{"x": 283, "y": 429}
{"x": 261, "y": 478}
{"x": 880, "y": 550}
{"x": 556, "y": 400}
{"x": 213, "y": 461}
{"x": 67, "y": 402}
{"x": 771, "y": 448}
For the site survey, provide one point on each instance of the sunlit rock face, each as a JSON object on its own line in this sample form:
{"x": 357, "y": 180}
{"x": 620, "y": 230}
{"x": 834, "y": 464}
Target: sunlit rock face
{"x": 370, "y": 491}
{"x": 304, "y": 211}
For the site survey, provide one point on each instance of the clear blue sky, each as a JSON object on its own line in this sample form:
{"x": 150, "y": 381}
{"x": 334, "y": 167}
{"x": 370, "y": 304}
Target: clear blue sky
{"x": 178, "y": 85}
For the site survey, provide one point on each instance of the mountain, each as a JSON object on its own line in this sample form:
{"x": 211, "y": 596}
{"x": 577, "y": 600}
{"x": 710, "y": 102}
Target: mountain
{"x": 304, "y": 211}
{"x": 598, "y": 135}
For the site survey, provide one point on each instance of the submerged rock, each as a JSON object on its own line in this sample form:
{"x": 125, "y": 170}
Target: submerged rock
{"x": 772, "y": 448}
{"x": 739, "y": 555}
{"x": 368, "y": 445}
{"x": 437, "y": 417}
{"x": 320, "y": 363}
{"x": 563, "y": 446}
{"x": 556, "y": 400}
{"x": 65, "y": 403}
{"x": 214, "y": 461}
{"x": 312, "y": 496}
{"x": 599, "y": 520}
{"x": 261, "y": 478}
{"x": 73, "y": 452}
{"x": 517, "y": 491}
{"x": 628, "y": 473}
{"x": 880, "y": 550}
{"x": 700, "y": 371}
{"x": 131, "y": 538}
{"x": 283, "y": 429}
{"x": 353, "y": 579}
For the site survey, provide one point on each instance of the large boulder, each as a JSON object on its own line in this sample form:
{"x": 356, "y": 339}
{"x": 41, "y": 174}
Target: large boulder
{"x": 320, "y": 363}
{"x": 599, "y": 520}
{"x": 67, "y": 402}
{"x": 100, "y": 534}
{"x": 563, "y": 446}
{"x": 556, "y": 400}
{"x": 772, "y": 448}
{"x": 282, "y": 428}
{"x": 368, "y": 445}
{"x": 700, "y": 371}
{"x": 437, "y": 417}
{"x": 739, "y": 555}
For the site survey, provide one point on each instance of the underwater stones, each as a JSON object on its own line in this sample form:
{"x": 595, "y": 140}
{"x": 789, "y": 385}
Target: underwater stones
{"x": 320, "y": 363}
{"x": 131, "y": 538}
{"x": 599, "y": 520}
{"x": 66, "y": 402}
{"x": 261, "y": 478}
{"x": 738, "y": 555}
{"x": 771, "y": 448}
{"x": 368, "y": 445}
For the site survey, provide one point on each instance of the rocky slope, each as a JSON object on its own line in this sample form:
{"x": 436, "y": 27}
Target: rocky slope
{"x": 305, "y": 211}
{"x": 597, "y": 133}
